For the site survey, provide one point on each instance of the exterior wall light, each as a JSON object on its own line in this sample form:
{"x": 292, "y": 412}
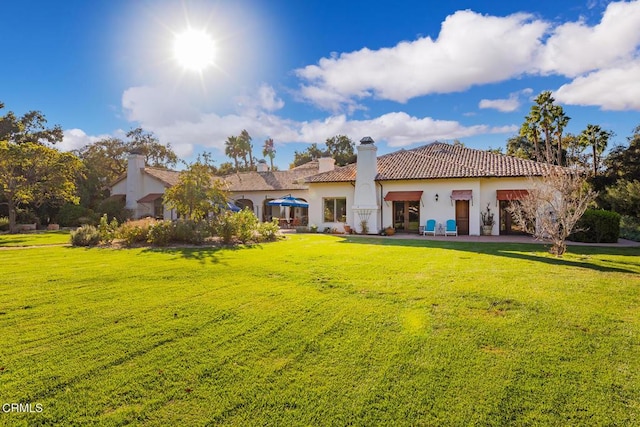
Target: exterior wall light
{"x": 436, "y": 197}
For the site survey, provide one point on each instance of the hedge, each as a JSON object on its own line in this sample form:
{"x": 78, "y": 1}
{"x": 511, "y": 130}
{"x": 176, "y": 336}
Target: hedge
{"x": 597, "y": 226}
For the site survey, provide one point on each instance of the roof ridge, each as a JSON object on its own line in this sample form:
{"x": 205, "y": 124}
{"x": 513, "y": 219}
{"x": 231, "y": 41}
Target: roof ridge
{"x": 451, "y": 162}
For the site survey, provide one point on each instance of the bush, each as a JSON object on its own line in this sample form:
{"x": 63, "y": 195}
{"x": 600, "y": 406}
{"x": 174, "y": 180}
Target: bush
{"x": 114, "y": 208}
{"x": 87, "y": 235}
{"x": 26, "y": 216}
{"x": 71, "y": 215}
{"x": 226, "y": 227}
{"x": 190, "y": 231}
{"x": 133, "y": 232}
{"x": 630, "y": 228}
{"x": 268, "y": 231}
{"x": 246, "y": 225}
{"x": 597, "y": 226}
{"x": 4, "y": 223}
{"x": 107, "y": 230}
{"x": 161, "y": 233}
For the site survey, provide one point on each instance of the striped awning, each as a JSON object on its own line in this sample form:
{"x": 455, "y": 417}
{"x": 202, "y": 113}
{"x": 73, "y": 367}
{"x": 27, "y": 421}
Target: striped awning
{"x": 403, "y": 196}
{"x": 511, "y": 194}
{"x": 462, "y": 195}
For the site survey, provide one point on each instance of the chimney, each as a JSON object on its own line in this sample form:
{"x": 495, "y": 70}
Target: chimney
{"x": 366, "y": 206}
{"x": 262, "y": 166}
{"x": 326, "y": 164}
{"x": 135, "y": 168}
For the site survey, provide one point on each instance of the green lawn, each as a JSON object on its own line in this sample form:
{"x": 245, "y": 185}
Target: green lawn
{"x": 322, "y": 330}
{"x": 36, "y": 238}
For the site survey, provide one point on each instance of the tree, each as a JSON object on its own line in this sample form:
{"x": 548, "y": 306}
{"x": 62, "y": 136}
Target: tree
{"x": 312, "y": 152}
{"x": 341, "y": 148}
{"x": 596, "y": 138}
{"x": 34, "y": 174}
{"x": 269, "y": 150}
{"x": 521, "y": 146}
{"x": 233, "y": 149}
{"x": 246, "y": 148}
{"x": 624, "y": 197}
{"x": 155, "y": 153}
{"x": 553, "y": 206}
{"x": 545, "y": 123}
{"x": 624, "y": 162}
{"x": 197, "y": 192}
{"x": 28, "y": 128}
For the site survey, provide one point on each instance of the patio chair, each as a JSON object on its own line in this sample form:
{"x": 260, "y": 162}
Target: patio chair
{"x": 451, "y": 228}
{"x": 429, "y": 227}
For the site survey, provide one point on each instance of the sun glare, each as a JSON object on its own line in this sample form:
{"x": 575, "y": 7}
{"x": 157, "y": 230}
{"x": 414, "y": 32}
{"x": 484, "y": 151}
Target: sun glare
{"x": 194, "y": 49}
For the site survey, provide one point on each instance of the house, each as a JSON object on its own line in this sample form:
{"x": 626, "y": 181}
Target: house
{"x": 401, "y": 189}
{"x": 143, "y": 187}
{"x": 405, "y": 188}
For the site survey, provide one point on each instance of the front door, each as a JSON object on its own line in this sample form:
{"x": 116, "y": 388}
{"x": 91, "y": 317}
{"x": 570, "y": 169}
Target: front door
{"x": 462, "y": 217}
{"x": 406, "y": 216}
{"x": 507, "y": 224}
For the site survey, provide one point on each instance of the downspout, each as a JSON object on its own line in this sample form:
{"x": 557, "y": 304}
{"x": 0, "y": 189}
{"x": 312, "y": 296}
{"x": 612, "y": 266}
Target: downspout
{"x": 381, "y": 206}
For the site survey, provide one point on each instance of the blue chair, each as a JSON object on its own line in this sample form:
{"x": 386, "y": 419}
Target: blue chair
{"x": 429, "y": 227}
{"x": 451, "y": 228}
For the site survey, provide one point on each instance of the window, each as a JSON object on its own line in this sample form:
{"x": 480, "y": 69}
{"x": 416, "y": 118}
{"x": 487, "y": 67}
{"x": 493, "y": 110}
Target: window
{"x": 335, "y": 210}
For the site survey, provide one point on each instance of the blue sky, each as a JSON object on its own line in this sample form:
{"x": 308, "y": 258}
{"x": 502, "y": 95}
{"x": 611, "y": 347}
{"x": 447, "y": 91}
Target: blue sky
{"x": 405, "y": 72}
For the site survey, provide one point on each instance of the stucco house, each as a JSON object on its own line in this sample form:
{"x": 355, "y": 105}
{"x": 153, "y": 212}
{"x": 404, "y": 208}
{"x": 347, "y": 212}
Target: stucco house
{"x": 405, "y": 188}
{"x": 402, "y": 189}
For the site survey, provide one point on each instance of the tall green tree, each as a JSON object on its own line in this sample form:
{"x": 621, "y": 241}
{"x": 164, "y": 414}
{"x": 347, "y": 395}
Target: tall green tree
{"x": 31, "y": 127}
{"x": 233, "y": 149}
{"x": 246, "y": 148}
{"x": 543, "y": 127}
{"x": 269, "y": 150}
{"x": 312, "y": 152}
{"x": 623, "y": 162}
{"x": 34, "y": 174}
{"x": 197, "y": 192}
{"x": 341, "y": 148}
{"x": 598, "y": 139}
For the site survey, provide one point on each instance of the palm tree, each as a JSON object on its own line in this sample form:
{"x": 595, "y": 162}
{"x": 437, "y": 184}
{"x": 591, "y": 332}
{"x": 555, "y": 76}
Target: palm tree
{"x": 561, "y": 121}
{"x": 247, "y": 147}
{"x": 232, "y": 149}
{"x": 268, "y": 150}
{"x": 598, "y": 139}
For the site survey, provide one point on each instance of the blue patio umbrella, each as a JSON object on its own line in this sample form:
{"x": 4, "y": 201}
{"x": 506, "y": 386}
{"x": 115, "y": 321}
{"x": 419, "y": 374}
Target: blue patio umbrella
{"x": 289, "y": 201}
{"x": 232, "y": 207}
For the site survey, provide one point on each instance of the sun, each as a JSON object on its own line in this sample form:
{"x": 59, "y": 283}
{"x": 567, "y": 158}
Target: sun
{"x": 194, "y": 49}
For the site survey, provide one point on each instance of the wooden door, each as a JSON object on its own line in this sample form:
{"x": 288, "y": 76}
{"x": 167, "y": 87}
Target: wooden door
{"x": 462, "y": 217}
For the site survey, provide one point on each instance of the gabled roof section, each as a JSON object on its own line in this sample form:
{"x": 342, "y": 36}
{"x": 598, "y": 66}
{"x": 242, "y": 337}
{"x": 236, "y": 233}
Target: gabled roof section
{"x": 292, "y": 179}
{"x": 439, "y": 160}
{"x": 168, "y": 177}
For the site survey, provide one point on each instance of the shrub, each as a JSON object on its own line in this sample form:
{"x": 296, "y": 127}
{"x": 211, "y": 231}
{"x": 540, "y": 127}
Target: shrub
{"x": 226, "y": 226}
{"x": 161, "y": 233}
{"x": 4, "y": 223}
{"x": 269, "y": 231}
{"x": 630, "y": 228}
{"x": 190, "y": 231}
{"x": 597, "y": 226}
{"x": 26, "y": 216}
{"x": 107, "y": 229}
{"x": 133, "y": 232}
{"x": 114, "y": 208}
{"x": 87, "y": 235}
{"x": 246, "y": 225}
{"x": 71, "y": 215}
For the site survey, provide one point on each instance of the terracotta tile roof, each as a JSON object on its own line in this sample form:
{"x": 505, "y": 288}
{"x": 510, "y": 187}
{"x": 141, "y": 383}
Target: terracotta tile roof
{"x": 292, "y": 179}
{"x": 439, "y": 160}
{"x": 168, "y": 177}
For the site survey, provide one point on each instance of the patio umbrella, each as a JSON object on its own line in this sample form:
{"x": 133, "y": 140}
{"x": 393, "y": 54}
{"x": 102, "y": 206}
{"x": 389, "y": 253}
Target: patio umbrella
{"x": 288, "y": 201}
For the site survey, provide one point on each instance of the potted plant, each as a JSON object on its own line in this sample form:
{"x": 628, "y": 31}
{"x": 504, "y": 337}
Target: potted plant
{"x": 347, "y": 228}
{"x": 487, "y": 221}
{"x": 389, "y": 231}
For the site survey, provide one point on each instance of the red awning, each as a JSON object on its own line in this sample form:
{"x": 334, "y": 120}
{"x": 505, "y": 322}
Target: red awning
{"x": 151, "y": 197}
{"x": 511, "y": 194}
{"x": 403, "y": 196}
{"x": 462, "y": 195}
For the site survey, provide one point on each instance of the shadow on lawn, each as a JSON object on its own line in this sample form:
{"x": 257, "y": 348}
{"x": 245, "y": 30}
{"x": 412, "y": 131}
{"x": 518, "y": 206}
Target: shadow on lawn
{"x": 203, "y": 254}
{"x": 515, "y": 250}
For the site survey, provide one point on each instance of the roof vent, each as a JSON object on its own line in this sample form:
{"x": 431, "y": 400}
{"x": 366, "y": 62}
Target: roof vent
{"x": 366, "y": 140}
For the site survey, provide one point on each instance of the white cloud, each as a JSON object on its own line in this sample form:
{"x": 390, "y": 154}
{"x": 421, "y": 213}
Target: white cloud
{"x": 611, "y": 89}
{"x": 474, "y": 49}
{"x": 505, "y": 105}
{"x": 264, "y": 99}
{"x": 157, "y": 105}
{"x": 471, "y": 49}
{"x": 74, "y": 139}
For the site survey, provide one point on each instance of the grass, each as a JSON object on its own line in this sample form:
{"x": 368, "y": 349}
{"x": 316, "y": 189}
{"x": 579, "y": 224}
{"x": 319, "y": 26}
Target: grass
{"x": 322, "y": 330}
{"x": 36, "y": 238}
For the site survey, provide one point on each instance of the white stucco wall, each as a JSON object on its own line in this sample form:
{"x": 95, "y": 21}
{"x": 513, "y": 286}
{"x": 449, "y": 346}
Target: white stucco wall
{"x": 146, "y": 185}
{"x": 483, "y": 190}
